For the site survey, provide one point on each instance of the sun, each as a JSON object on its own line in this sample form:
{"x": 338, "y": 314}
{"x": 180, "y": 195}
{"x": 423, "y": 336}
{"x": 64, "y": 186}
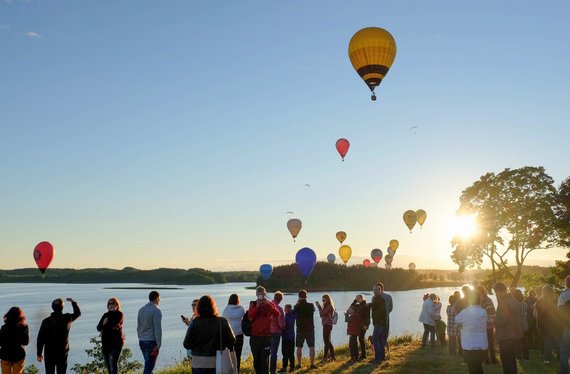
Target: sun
{"x": 464, "y": 226}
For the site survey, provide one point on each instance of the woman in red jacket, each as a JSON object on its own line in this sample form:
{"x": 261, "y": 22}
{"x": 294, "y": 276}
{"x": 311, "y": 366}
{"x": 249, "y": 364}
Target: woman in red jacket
{"x": 353, "y": 330}
{"x": 326, "y": 311}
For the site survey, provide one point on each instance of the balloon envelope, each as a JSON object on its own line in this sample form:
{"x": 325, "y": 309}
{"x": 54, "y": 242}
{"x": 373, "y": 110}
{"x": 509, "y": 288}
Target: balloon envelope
{"x": 410, "y": 219}
{"x": 43, "y": 254}
{"x": 266, "y": 271}
{"x": 394, "y": 244}
{"x": 331, "y": 258}
{"x": 390, "y": 251}
{"x": 422, "y": 215}
{"x": 388, "y": 266}
{"x": 372, "y": 51}
{"x": 342, "y": 146}
{"x": 388, "y": 259}
{"x": 294, "y": 225}
{"x": 306, "y": 259}
{"x": 376, "y": 255}
{"x": 366, "y": 263}
{"x": 412, "y": 266}
{"x": 345, "y": 252}
{"x": 341, "y": 236}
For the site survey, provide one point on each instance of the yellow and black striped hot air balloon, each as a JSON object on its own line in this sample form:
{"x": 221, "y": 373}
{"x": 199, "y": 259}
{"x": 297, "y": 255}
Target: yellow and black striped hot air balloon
{"x": 372, "y": 51}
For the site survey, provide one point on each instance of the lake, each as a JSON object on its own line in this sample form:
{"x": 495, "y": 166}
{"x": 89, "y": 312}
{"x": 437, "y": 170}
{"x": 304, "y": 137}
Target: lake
{"x": 35, "y": 299}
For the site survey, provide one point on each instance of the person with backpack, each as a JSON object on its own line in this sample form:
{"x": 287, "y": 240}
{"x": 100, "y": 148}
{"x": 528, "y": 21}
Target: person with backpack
{"x": 260, "y": 313}
{"x": 288, "y": 338}
{"x": 329, "y": 317}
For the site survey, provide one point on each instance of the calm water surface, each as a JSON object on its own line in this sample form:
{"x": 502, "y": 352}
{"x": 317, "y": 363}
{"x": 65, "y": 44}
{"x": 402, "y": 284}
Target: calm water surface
{"x": 35, "y": 299}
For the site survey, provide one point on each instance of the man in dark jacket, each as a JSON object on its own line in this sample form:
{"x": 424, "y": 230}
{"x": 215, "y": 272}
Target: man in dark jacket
{"x": 380, "y": 322}
{"x": 361, "y": 308}
{"x": 305, "y": 328}
{"x": 54, "y": 336}
{"x": 260, "y": 312}
{"x": 508, "y": 326}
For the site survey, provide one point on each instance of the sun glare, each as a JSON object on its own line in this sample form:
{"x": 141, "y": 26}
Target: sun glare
{"x": 464, "y": 226}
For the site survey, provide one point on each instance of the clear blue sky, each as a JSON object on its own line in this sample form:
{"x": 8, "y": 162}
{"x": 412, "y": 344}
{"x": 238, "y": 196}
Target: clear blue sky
{"x": 177, "y": 134}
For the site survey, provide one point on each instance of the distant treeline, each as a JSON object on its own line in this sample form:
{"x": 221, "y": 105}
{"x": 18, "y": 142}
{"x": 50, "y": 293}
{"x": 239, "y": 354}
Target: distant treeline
{"x": 335, "y": 277}
{"x": 126, "y": 275}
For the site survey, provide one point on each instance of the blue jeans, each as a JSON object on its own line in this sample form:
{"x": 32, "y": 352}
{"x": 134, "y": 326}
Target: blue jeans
{"x": 111, "y": 358}
{"x": 564, "y": 351}
{"x": 149, "y": 360}
{"x": 379, "y": 340}
{"x": 275, "y": 339}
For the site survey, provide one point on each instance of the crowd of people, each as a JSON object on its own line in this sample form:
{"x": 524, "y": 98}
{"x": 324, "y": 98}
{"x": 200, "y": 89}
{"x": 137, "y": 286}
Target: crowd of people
{"x": 518, "y": 324}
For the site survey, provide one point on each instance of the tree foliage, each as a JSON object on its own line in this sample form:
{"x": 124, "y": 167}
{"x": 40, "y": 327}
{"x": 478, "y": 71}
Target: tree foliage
{"x": 517, "y": 211}
{"x": 97, "y": 363}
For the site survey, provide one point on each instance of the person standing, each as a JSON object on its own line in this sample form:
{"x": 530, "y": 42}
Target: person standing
{"x": 305, "y": 328}
{"x": 532, "y": 329}
{"x": 149, "y": 331}
{"x": 187, "y": 321}
{"x": 234, "y": 313}
{"x": 508, "y": 325}
{"x": 451, "y": 330}
{"x": 522, "y": 351}
{"x": 14, "y": 336}
{"x": 207, "y": 334}
{"x": 54, "y": 336}
{"x": 489, "y": 306}
{"x": 427, "y": 318}
{"x": 378, "y": 312}
{"x": 326, "y": 311}
{"x": 389, "y": 306}
{"x": 288, "y": 344}
{"x": 353, "y": 330}
{"x": 277, "y": 327}
{"x": 564, "y": 308}
{"x": 473, "y": 324}
{"x": 364, "y": 317}
{"x": 260, "y": 313}
{"x": 112, "y": 339}
{"x": 548, "y": 322}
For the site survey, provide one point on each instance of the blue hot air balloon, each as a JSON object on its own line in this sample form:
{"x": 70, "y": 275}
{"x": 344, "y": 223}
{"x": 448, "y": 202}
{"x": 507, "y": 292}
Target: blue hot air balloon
{"x": 331, "y": 258}
{"x": 266, "y": 271}
{"x": 306, "y": 259}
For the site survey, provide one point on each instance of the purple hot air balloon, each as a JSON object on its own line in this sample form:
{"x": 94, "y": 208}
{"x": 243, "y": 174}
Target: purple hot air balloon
{"x": 306, "y": 259}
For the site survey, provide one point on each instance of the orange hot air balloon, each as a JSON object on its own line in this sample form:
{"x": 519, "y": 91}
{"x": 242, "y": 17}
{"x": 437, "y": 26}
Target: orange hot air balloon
{"x": 341, "y": 236}
{"x": 342, "y": 146}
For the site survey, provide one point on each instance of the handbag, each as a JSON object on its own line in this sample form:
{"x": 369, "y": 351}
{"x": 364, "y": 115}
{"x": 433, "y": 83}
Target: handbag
{"x": 226, "y": 361}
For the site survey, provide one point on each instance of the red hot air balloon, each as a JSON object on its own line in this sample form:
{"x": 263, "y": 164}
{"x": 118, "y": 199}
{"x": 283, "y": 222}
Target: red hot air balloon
{"x": 366, "y": 263}
{"x": 342, "y": 146}
{"x": 43, "y": 254}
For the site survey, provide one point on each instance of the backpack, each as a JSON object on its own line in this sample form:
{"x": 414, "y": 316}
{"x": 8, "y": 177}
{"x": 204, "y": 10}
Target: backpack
{"x": 334, "y": 317}
{"x": 246, "y": 324}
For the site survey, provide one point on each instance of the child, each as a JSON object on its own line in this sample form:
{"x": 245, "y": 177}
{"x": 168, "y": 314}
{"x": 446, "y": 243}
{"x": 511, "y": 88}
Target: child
{"x": 353, "y": 330}
{"x": 288, "y": 335}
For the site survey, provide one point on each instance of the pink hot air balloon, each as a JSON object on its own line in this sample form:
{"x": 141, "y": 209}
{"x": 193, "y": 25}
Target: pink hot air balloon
{"x": 342, "y": 146}
{"x": 366, "y": 263}
{"x": 43, "y": 254}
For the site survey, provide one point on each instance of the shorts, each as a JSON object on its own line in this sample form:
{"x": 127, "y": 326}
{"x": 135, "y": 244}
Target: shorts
{"x": 309, "y": 336}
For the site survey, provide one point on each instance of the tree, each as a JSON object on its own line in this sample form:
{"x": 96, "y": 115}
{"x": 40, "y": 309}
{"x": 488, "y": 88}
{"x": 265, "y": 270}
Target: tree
{"x": 97, "y": 364}
{"x": 517, "y": 212}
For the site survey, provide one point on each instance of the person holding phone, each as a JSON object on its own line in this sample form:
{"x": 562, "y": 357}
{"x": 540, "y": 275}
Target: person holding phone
{"x": 260, "y": 312}
{"x": 112, "y": 339}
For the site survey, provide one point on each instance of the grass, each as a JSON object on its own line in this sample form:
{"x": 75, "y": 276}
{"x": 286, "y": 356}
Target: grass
{"x": 405, "y": 356}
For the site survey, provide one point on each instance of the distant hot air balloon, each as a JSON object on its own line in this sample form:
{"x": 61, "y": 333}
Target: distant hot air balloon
{"x": 372, "y": 51}
{"x": 366, "y": 263}
{"x": 266, "y": 271}
{"x": 341, "y": 236}
{"x": 342, "y": 146}
{"x": 306, "y": 259}
{"x": 390, "y": 251}
{"x": 388, "y": 259}
{"x": 294, "y": 225}
{"x": 410, "y": 219}
{"x": 422, "y": 215}
{"x": 331, "y": 258}
{"x": 412, "y": 266}
{"x": 388, "y": 266}
{"x": 43, "y": 254}
{"x": 394, "y": 244}
{"x": 376, "y": 255}
{"x": 345, "y": 252}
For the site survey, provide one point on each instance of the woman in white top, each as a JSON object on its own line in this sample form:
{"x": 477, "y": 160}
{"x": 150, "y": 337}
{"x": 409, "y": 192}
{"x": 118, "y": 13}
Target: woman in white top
{"x": 234, "y": 314}
{"x": 427, "y": 317}
{"x": 473, "y": 324}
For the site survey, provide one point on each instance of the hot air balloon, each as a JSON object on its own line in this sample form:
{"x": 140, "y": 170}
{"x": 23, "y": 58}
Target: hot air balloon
{"x": 306, "y": 259}
{"x": 341, "y": 236}
{"x": 410, "y": 219}
{"x": 345, "y": 252}
{"x": 388, "y": 266}
{"x": 342, "y": 146}
{"x": 388, "y": 259}
{"x": 331, "y": 258}
{"x": 372, "y": 51}
{"x": 394, "y": 244}
{"x": 366, "y": 263}
{"x": 422, "y": 215}
{"x": 43, "y": 254}
{"x": 376, "y": 255}
{"x": 266, "y": 271}
{"x": 390, "y": 251}
{"x": 294, "y": 225}
{"x": 412, "y": 266}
